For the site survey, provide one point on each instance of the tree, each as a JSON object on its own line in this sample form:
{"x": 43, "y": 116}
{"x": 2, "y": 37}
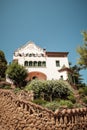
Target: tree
{"x": 3, "y": 64}
{"x": 17, "y": 74}
{"x": 82, "y": 51}
{"x": 76, "y": 76}
{"x": 49, "y": 90}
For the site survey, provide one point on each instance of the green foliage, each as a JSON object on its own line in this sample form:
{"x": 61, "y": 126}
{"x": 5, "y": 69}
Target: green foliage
{"x": 49, "y": 90}
{"x": 7, "y": 87}
{"x": 60, "y": 89}
{"x": 58, "y": 104}
{"x": 40, "y": 102}
{"x": 17, "y": 74}
{"x": 53, "y": 105}
{"x": 3, "y": 65}
{"x": 81, "y": 91}
{"x": 76, "y": 77}
{"x": 85, "y": 100}
{"x": 4, "y": 84}
{"x": 85, "y": 91}
{"x": 36, "y": 86}
{"x": 84, "y": 35}
{"x": 16, "y": 90}
{"x": 67, "y": 103}
{"x": 72, "y": 98}
{"x": 77, "y": 105}
{"x": 82, "y": 51}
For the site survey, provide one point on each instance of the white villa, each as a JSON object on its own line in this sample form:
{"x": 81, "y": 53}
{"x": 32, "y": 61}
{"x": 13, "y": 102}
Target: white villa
{"x": 42, "y": 64}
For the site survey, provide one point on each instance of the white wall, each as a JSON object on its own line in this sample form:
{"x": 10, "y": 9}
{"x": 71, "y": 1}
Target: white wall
{"x": 50, "y": 70}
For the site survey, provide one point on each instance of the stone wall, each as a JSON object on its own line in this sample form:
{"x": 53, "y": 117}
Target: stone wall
{"x": 17, "y": 114}
{"x": 23, "y": 95}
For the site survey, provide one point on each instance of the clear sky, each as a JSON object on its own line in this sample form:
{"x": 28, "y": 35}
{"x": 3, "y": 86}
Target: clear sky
{"x": 52, "y": 24}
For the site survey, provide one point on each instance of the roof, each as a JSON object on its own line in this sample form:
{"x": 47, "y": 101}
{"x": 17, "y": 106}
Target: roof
{"x": 65, "y": 69}
{"x": 57, "y": 54}
{"x": 30, "y": 45}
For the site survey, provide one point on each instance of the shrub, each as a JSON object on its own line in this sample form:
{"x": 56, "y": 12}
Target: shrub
{"x": 81, "y": 91}
{"x": 72, "y": 98}
{"x": 67, "y": 103}
{"x": 57, "y": 105}
{"x": 52, "y": 105}
{"x": 49, "y": 90}
{"x": 3, "y": 84}
{"x": 85, "y": 91}
{"x": 36, "y": 86}
{"x": 16, "y": 90}
{"x": 85, "y": 100}
{"x": 7, "y": 87}
{"x": 40, "y": 102}
{"x": 77, "y": 105}
{"x": 60, "y": 89}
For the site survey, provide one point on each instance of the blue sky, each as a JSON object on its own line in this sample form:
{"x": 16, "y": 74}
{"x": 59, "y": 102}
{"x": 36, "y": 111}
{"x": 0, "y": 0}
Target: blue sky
{"x": 52, "y": 24}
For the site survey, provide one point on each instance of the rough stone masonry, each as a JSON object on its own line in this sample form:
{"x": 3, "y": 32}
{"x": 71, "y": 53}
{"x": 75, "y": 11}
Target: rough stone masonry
{"x": 17, "y": 114}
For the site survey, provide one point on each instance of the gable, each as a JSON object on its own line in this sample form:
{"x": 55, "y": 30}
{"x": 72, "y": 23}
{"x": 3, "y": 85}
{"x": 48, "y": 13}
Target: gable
{"x": 29, "y": 48}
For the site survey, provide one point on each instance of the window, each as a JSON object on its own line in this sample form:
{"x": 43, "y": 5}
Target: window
{"x": 44, "y": 63}
{"x": 35, "y": 63}
{"x": 39, "y": 63}
{"x": 27, "y": 54}
{"x": 61, "y": 77}
{"x": 30, "y": 55}
{"x": 57, "y": 63}
{"x": 30, "y": 63}
{"x": 26, "y": 63}
{"x": 42, "y": 54}
{"x": 33, "y": 54}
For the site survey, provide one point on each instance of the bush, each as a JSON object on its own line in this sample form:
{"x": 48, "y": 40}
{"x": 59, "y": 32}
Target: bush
{"x": 85, "y": 100}
{"x": 67, "y": 103}
{"x": 81, "y": 91}
{"x": 7, "y": 87}
{"x": 77, "y": 105}
{"x": 3, "y": 84}
{"x": 85, "y": 91}
{"x": 40, "y": 102}
{"x": 57, "y": 105}
{"x": 49, "y": 90}
{"x": 36, "y": 86}
{"x": 52, "y": 105}
{"x": 16, "y": 90}
{"x": 72, "y": 98}
{"x": 2, "y": 79}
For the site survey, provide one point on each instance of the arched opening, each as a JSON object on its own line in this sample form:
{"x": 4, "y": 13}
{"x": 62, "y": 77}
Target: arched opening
{"x": 36, "y": 75}
{"x": 44, "y": 63}
{"x": 35, "y": 63}
{"x": 26, "y": 63}
{"x": 39, "y": 63}
{"x": 30, "y": 63}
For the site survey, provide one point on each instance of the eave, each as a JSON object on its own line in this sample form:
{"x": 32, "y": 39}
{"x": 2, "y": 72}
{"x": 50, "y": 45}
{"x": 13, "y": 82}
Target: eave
{"x": 57, "y": 54}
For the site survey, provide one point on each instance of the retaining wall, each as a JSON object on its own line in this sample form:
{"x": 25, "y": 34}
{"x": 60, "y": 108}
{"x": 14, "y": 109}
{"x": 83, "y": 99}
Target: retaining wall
{"x": 16, "y": 114}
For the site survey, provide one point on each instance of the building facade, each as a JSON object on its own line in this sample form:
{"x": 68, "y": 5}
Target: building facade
{"x": 42, "y": 64}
